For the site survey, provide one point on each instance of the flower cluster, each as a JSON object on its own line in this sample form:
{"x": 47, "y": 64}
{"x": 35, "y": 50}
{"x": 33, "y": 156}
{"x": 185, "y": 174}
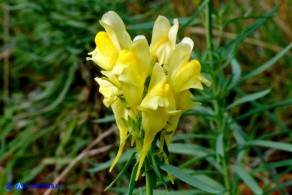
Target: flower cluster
{"x": 147, "y": 86}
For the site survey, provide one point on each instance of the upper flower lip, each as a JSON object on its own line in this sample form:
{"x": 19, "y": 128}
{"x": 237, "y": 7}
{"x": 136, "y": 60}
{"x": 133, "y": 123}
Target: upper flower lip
{"x": 116, "y": 29}
{"x": 163, "y": 38}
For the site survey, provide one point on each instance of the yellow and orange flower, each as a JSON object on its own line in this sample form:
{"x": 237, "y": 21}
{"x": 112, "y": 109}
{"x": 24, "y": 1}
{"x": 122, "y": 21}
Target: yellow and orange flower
{"x": 147, "y": 86}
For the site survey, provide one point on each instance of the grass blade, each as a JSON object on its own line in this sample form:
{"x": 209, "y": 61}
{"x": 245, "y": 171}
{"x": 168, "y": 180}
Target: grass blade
{"x": 249, "y": 180}
{"x": 132, "y": 180}
{"x": 265, "y": 66}
{"x": 248, "y": 98}
{"x": 271, "y": 144}
{"x": 121, "y": 172}
{"x": 178, "y": 173}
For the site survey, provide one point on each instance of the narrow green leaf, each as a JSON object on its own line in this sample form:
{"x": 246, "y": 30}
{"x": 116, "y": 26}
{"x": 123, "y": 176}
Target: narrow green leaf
{"x": 188, "y": 136}
{"x": 270, "y": 115}
{"x": 248, "y": 180}
{"x": 180, "y": 192}
{"x": 195, "y": 182}
{"x": 195, "y": 150}
{"x": 121, "y": 172}
{"x": 200, "y": 111}
{"x": 99, "y": 167}
{"x": 198, "y": 11}
{"x": 271, "y": 144}
{"x": 265, "y": 108}
{"x": 106, "y": 119}
{"x": 210, "y": 181}
{"x": 236, "y": 129}
{"x": 230, "y": 47}
{"x": 273, "y": 165}
{"x": 280, "y": 187}
{"x": 248, "y": 98}
{"x": 236, "y": 71}
{"x": 132, "y": 180}
{"x": 267, "y": 64}
{"x": 157, "y": 171}
{"x": 219, "y": 147}
{"x": 189, "y": 149}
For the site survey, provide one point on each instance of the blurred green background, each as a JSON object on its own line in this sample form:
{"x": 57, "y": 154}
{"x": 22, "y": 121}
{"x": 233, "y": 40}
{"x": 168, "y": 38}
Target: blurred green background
{"x": 50, "y": 106}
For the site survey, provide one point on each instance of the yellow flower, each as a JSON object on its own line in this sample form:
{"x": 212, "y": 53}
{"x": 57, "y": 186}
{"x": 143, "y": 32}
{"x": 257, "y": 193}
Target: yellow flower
{"x": 142, "y": 108}
{"x": 157, "y": 106}
{"x": 132, "y": 69}
{"x": 183, "y": 102}
{"x": 163, "y": 39}
{"x": 111, "y": 42}
{"x": 108, "y": 90}
{"x": 105, "y": 54}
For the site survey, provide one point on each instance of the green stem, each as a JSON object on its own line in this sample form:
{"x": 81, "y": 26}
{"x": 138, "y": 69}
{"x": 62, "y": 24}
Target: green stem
{"x": 209, "y": 29}
{"x": 149, "y": 184}
{"x": 217, "y": 109}
{"x": 226, "y": 177}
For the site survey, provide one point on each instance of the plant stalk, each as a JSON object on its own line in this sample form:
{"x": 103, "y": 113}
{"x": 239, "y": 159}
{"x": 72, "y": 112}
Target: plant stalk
{"x": 218, "y": 111}
{"x": 149, "y": 183}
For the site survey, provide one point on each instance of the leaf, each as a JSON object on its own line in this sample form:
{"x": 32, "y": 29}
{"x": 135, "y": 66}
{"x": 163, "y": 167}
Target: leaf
{"x": 248, "y": 180}
{"x": 195, "y": 15}
{"x": 270, "y": 115}
{"x": 273, "y": 165}
{"x": 231, "y": 46}
{"x": 265, "y": 108}
{"x": 210, "y": 181}
{"x": 132, "y": 180}
{"x": 106, "y": 119}
{"x": 248, "y": 98}
{"x": 125, "y": 156}
{"x": 200, "y": 111}
{"x": 195, "y": 150}
{"x": 180, "y": 192}
{"x": 195, "y": 182}
{"x": 237, "y": 132}
{"x": 236, "y": 71}
{"x": 121, "y": 172}
{"x": 188, "y": 136}
{"x": 280, "y": 186}
{"x": 271, "y": 144}
{"x": 266, "y": 65}
{"x": 219, "y": 147}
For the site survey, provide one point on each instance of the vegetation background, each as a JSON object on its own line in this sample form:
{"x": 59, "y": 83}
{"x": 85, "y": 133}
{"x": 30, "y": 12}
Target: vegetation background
{"x": 54, "y": 127}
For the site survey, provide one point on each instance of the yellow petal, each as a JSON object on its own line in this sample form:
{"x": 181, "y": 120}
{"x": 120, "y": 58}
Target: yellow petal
{"x": 159, "y": 96}
{"x": 188, "y": 41}
{"x": 105, "y": 54}
{"x": 148, "y": 138}
{"x": 157, "y": 76}
{"x": 108, "y": 90}
{"x": 116, "y": 29}
{"x": 184, "y": 101}
{"x": 187, "y": 76}
{"x": 171, "y": 127}
{"x": 160, "y": 30}
{"x": 132, "y": 94}
{"x": 180, "y": 56}
{"x": 127, "y": 69}
{"x": 140, "y": 49}
{"x": 153, "y": 121}
{"x": 129, "y": 72}
{"x": 204, "y": 80}
{"x": 120, "y": 115}
{"x": 163, "y": 39}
